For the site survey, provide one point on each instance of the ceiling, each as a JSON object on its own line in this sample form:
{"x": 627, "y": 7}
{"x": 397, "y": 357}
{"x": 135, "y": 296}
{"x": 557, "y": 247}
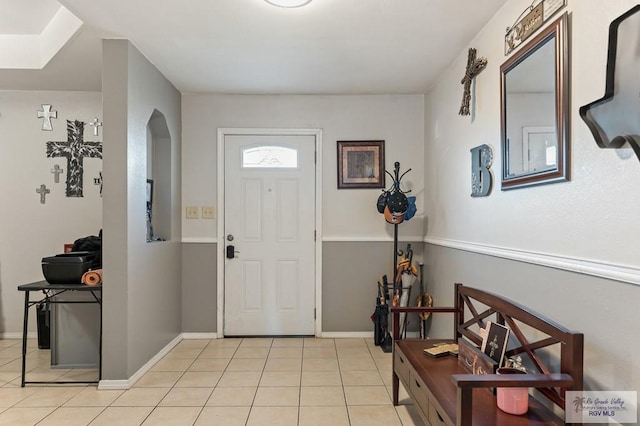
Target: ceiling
{"x": 251, "y": 47}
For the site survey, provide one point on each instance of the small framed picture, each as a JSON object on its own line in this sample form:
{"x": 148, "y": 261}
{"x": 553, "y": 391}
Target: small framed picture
{"x": 494, "y": 344}
{"x": 149, "y": 194}
{"x": 360, "y": 164}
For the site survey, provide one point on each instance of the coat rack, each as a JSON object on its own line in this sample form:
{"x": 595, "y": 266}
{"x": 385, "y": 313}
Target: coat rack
{"x": 395, "y": 189}
{"x": 397, "y": 208}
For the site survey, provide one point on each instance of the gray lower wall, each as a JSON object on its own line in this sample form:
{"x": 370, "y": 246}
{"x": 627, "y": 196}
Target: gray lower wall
{"x": 605, "y": 311}
{"x": 199, "y": 289}
{"x": 350, "y": 272}
{"x": 350, "y": 275}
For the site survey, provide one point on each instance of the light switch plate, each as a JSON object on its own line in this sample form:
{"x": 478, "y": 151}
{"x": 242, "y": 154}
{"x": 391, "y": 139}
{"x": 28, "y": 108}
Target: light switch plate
{"x": 193, "y": 212}
{"x": 208, "y": 212}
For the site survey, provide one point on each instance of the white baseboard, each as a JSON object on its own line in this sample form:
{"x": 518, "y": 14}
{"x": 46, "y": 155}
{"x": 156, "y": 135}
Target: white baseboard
{"x": 128, "y": 383}
{"x": 114, "y": 385}
{"x": 192, "y": 336}
{"x": 18, "y": 335}
{"x": 347, "y": 335}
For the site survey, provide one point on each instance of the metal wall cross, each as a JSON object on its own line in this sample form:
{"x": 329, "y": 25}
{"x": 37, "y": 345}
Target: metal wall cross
{"x": 43, "y": 191}
{"x": 56, "y": 171}
{"x": 75, "y": 149}
{"x": 474, "y": 66}
{"x": 46, "y": 114}
{"x": 95, "y": 123}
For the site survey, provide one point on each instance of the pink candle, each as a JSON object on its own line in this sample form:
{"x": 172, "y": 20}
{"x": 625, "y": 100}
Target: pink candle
{"x": 512, "y": 400}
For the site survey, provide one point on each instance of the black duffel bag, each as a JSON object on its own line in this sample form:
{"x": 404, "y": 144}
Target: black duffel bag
{"x": 93, "y": 244}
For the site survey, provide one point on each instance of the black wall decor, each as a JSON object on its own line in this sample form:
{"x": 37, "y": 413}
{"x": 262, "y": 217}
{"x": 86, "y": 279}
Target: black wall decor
{"x": 613, "y": 119}
{"x": 75, "y": 149}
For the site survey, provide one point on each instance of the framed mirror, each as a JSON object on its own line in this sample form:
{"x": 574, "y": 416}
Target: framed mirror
{"x": 535, "y": 110}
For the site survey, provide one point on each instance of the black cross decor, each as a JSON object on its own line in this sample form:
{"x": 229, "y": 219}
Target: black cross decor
{"x": 474, "y": 66}
{"x": 75, "y": 149}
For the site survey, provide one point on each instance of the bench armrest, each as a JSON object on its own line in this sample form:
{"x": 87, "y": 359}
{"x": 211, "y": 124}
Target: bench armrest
{"x": 470, "y": 381}
{"x": 467, "y": 382}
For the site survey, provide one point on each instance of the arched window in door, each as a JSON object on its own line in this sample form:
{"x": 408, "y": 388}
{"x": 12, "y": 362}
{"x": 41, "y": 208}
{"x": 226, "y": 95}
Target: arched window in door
{"x": 270, "y": 157}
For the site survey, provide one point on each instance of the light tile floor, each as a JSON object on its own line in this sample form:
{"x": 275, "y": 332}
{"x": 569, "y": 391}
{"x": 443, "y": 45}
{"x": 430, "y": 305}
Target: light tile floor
{"x": 250, "y": 381}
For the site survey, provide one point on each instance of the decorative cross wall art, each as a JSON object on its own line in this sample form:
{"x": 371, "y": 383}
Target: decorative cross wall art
{"x": 96, "y": 124}
{"x": 56, "y": 171}
{"x": 474, "y": 67}
{"x": 43, "y": 191}
{"x": 75, "y": 149}
{"x": 47, "y": 114}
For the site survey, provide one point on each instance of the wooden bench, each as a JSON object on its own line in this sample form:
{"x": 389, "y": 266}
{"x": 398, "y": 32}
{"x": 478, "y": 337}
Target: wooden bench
{"x": 443, "y": 391}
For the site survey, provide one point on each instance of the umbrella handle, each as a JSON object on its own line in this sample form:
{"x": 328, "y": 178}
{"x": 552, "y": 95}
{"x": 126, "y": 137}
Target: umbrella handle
{"x": 410, "y": 255}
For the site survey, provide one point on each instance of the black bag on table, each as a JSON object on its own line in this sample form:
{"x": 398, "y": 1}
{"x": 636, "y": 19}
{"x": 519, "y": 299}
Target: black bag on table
{"x": 92, "y": 244}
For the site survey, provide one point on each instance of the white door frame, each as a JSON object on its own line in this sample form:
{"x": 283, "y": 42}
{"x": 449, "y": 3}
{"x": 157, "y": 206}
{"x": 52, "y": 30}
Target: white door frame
{"x": 222, "y": 133}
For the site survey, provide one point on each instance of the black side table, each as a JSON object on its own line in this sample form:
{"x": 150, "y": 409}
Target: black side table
{"x": 50, "y": 291}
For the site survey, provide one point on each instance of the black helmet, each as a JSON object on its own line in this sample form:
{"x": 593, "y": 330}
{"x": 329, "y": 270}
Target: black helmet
{"x": 397, "y": 202}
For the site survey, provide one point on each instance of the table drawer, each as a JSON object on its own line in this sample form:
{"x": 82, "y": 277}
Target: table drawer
{"x": 418, "y": 392}
{"x": 401, "y": 366}
{"x": 434, "y": 417}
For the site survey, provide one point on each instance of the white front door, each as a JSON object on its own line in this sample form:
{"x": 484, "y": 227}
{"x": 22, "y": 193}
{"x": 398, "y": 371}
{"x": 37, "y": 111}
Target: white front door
{"x": 269, "y": 220}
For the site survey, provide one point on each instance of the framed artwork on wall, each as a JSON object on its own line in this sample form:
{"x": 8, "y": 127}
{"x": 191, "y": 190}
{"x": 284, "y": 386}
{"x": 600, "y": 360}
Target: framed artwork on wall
{"x": 360, "y": 164}
{"x": 149, "y": 194}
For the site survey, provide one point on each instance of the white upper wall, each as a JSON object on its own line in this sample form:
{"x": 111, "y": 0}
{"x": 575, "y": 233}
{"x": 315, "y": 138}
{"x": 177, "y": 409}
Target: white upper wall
{"x": 591, "y": 217}
{"x": 29, "y": 230}
{"x": 347, "y": 213}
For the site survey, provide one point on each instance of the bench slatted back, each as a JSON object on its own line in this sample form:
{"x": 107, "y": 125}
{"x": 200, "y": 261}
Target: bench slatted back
{"x": 484, "y": 306}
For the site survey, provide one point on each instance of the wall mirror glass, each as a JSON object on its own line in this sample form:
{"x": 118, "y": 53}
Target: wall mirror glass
{"x": 534, "y": 110}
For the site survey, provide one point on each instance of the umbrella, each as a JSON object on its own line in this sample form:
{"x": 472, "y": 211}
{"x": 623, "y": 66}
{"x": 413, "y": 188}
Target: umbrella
{"x": 406, "y": 274}
{"x": 424, "y": 300}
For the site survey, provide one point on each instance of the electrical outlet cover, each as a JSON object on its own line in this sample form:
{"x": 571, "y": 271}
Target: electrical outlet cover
{"x": 192, "y": 212}
{"x": 208, "y": 212}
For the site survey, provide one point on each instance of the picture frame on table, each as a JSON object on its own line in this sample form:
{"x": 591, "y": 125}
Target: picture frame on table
{"x": 494, "y": 343}
{"x": 361, "y": 164}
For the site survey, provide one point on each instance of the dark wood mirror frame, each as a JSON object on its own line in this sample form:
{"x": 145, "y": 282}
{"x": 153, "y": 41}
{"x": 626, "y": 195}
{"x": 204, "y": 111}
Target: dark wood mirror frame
{"x": 555, "y": 33}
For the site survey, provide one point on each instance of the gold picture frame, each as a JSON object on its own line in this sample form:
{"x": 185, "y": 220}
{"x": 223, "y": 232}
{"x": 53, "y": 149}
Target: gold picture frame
{"x": 361, "y": 164}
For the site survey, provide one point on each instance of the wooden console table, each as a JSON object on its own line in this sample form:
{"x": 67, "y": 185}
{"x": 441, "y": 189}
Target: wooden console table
{"x": 50, "y": 292}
